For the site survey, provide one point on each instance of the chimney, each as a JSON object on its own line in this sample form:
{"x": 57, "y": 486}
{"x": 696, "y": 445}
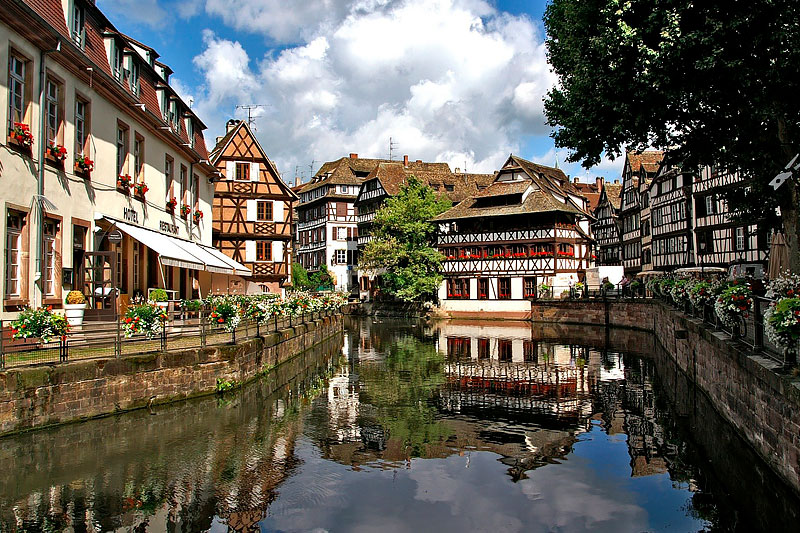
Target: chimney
{"x": 405, "y": 160}
{"x": 616, "y": 182}
{"x": 353, "y": 156}
{"x": 599, "y": 182}
{"x": 218, "y": 140}
{"x": 231, "y": 124}
{"x": 419, "y": 160}
{"x": 574, "y": 180}
{"x": 458, "y": 170}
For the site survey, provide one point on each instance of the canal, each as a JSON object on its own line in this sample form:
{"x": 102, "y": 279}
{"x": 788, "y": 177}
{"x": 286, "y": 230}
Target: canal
{"x": 401, "y": 426}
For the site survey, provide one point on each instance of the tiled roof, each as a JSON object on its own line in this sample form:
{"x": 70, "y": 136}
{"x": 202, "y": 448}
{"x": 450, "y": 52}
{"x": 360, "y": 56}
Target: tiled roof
{"x": 501, "y": 188}
{"x": 649, "y": 160}
{"x": 536, "y": 202}
{"x": 52, "y": 12}
{"x": 200, "y": 145}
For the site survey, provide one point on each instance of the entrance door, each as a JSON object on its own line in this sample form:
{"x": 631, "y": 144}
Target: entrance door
{"x": 99, "y": 275}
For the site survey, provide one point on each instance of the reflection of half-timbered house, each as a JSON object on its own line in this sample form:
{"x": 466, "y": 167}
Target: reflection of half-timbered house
{"x": 671, "y": 217}
{"x": 719, "y": 240}
{"x": 639, "y": 167}
{"x": 252, "y": 210}
{"x": 605, "y": 228}
{"x": 389, "y": 177}
{"x": 528, "y": 228}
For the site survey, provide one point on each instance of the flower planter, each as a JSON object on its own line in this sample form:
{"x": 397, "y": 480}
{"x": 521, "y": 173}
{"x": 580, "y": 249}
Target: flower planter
{"x": 19, "y": 146}
{"x": 74, "y": 313}
{"x": 82, "y": 172}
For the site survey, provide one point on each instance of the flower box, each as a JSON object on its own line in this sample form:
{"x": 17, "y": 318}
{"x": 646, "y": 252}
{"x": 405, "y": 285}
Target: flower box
{"x": 171, "y": 204}
{"x": 198, "y": 216}
{"x": 21, "y": 138}
{"x": 55, "y": 155}
{"x": 140, "y": 189}
{"x": 124, "y": 184}
{"x": 185, "y": 210}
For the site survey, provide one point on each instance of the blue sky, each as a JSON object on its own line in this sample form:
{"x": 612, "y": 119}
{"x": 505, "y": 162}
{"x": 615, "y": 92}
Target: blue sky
{"x": 448, "y": 80}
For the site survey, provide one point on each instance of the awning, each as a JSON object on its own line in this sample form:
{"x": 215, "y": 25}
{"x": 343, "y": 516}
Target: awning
{"x": 184, "y": 254}
{"x": 168, "y": 248}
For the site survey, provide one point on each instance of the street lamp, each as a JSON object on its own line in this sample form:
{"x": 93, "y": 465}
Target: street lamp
{"x": 702, "y": 246}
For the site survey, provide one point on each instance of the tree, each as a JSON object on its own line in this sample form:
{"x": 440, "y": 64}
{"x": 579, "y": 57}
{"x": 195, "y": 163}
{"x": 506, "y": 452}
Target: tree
{"x": 712, "y": 82}
{"x": 300, "y": 278}
{"x": 402, "y": 245}
{"x": 321, "y": 279}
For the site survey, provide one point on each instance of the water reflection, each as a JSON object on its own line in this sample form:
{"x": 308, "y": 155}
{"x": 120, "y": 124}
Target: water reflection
{"x": 397, "y": 426}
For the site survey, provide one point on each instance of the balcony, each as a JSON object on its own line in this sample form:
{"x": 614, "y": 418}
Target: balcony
{"x": 531, "y": 265}
{"x": 509, "y": 236}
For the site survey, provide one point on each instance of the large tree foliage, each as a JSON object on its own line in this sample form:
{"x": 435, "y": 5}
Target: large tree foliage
{"x": 713, "y": 82}
{"x": 402, "y": 246}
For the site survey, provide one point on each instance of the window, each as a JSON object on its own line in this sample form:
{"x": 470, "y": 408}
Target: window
{"x": 169, "y": 166}
{"x": 343, "y": 189}
{"x": 263, "y": 210}
{"x": 50, "y": 270}
{"x": 122, "y": 148}
{"x": 242, "y": 171}
{"x": 341, "y": 234}
{"x": 14, "y": 225}
{"x": 116, "y": 61}
{"x": 740, "y": 239}
{"x": 195, "y": 191}
{"x": 133, "y": 78}
{"x": 51, "y": 110}
{"x": 458, "y": 288}
{"x": 173, "y": 114}
{"x": 449, "y": 187}
{"x": 184, "y": 184}
{"x": 136, "y": 266}
{"x": 504, "y": 288}
{"x": 483, "y": 288}
{"x": 341, "y": 209}
{"x": 529, "y": 287}
{"x": 711, "y": 205}
{"x": 190, "y": 131}
{"x": 78, "y": 24}
{"x": 165, "y": 105}
{"x": 81, "y": 125}
{"x": 504, "y": 350}
{"x": 16, "y": 91}
{"x": 138, "y": 158}
{"x": 263, "y": 251}
{"x": 341, "y": 257}
{"x": 483, "y": 348}
{"x": 529, "y": 354}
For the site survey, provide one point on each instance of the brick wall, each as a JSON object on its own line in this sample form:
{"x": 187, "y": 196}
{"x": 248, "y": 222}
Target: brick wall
{"x": 747, "y": 390}
{"x": 48, "y": 395}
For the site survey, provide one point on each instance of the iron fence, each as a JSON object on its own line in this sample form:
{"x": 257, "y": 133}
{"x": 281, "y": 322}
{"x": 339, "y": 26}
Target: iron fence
{"x": 101, "y": 340}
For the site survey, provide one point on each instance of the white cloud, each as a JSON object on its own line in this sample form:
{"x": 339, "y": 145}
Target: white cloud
{"x": 146, "y": 12}
{"x": 448, "y": 80}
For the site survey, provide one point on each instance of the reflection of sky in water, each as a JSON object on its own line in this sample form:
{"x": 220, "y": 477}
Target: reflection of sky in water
{"x": 591, "y": 491}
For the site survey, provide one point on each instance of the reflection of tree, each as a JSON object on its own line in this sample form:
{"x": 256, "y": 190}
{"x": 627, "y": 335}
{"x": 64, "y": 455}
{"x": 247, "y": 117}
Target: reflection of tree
{"x": 400, "y": 389}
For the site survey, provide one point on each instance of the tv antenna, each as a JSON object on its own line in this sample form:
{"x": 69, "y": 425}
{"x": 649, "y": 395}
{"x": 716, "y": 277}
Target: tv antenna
{"x": 250, "y": 108}
{"x": 311, "y": 168}
{"x": 392, "y": 146}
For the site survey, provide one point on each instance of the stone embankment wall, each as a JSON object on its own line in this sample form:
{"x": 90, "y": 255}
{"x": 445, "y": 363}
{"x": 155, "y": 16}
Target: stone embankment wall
{"x": 762, "y": 404}
{"x": 48, "y": 395}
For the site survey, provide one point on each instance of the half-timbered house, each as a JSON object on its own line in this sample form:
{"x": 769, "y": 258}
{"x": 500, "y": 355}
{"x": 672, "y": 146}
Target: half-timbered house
{"x": 606, "y": 226}
{"x": 671, "y": 217}
{"x": 252, "y": 211}
{"x": 639, "y": 168}
{"x": 388, "y": 178}
{"x": 719, "y": 240}
{"x": 326, "y": 228}
{"x": 528, "y": 228}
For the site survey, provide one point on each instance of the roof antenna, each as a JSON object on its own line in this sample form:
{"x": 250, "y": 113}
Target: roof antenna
{"x": 311, "y": 167}
{"x": 392, "y": 146}
{"x": 250, "y": 118}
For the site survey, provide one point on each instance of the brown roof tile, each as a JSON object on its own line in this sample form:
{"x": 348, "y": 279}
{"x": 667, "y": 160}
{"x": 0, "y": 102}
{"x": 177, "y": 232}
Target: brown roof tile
{"x": 536, "y": 202}
{"x": 649, "y": 160}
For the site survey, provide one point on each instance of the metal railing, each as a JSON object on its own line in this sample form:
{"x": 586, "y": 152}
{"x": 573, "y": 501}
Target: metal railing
{"x": 101, "y": 340}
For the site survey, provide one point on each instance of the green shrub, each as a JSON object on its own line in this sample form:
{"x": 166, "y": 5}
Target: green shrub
{"x": 159, "y": 295}
{"x": 75, "y": 297}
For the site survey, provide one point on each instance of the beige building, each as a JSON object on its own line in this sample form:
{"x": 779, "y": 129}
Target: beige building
{"x": 135, "y": 218}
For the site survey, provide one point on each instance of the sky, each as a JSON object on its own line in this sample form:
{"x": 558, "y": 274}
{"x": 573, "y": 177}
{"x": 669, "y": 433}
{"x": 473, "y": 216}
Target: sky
{"x": 459, "y": 81}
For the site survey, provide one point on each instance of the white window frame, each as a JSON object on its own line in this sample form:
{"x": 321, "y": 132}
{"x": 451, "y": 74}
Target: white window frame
{"x": 78, "y": 24}
{"x": 341, "y": 257}
{"x": 50, "y": 258}
{"x": 16, "y": 90}
{"x": 14, "y": 258}
{"x": 740, "y": 239}
{"x": 133, "y": 76}
{"x": 81, "y": 107}
{"x": 710, "y": 207}
{"x": 51, "y": 109}
{"x": 122, "y": 148}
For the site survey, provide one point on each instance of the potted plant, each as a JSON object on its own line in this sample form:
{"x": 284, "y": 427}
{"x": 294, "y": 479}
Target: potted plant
{"x": 140, "y": 189}
{"x": 74, "y": 307}
{"x": 198, "y": 216}
{"x": 159, "y": 297}
{"x": 185, "y": 210}
{"x": 544, "y": 290}
{"x": 83, "y": 165}
{"x": 225, "y": 312}
{"x": 124, "y": 183}
{"x": 733, "y": 303}
{"x": 145, "y": 318}
{"x": 56, "y": 153}
{"x": 21, "y": 135}
{"x": 39, "y": 324}
{"x": 172, "y": 203}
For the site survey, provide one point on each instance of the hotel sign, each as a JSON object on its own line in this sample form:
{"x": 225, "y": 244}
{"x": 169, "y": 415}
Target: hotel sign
{"x": 130, "y": 215}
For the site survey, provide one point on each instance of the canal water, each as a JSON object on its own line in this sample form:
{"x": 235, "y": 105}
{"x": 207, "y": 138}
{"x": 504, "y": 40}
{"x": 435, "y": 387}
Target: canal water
{"x": 399, "y": 426}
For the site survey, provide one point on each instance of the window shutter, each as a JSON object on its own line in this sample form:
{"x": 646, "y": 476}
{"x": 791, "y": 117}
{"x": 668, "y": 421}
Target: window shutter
{"x": 254, "y": 171}
{"x": 349, "y": 234}
{"x": 230, "y": 170}
{"x": 251, "y": 210}
{"x": 249, "y": 251}
{"x": 277, "y": 211}
{"x": 277, "y": 251}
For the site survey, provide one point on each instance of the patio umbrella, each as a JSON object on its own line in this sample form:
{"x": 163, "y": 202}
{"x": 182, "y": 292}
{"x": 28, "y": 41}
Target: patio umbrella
{"x": 778, "y": 256}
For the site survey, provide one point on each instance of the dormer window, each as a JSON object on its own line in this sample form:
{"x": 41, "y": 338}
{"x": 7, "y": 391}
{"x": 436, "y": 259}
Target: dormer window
{"x": 133, "y": 77}
{"x": 116, "y": 61}
{"x": 190, "y": 131}
{"x": 78, "y": 25}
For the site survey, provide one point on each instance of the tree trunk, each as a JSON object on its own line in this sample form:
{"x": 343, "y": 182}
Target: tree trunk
{"x": 790, "y": 213}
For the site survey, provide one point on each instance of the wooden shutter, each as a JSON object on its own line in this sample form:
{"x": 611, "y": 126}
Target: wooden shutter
{"x": 252, "y": 208}
{"x": 277, "y": 211}
{"x": 230, "y": 170}
{"x": 254, "y": 173}
{"x": 250, "y": 251}
{"x": 341, "y": 209}
{"x": 277, "y": 251}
